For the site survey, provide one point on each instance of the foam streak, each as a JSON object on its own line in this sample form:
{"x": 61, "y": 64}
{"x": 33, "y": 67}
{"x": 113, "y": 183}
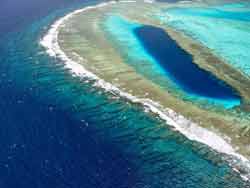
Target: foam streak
{"x": 188, "y": 128}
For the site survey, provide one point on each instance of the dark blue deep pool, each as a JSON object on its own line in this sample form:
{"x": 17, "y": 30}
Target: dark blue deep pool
{"x": 57, "y": 131}
{"x": 179, "y": 65}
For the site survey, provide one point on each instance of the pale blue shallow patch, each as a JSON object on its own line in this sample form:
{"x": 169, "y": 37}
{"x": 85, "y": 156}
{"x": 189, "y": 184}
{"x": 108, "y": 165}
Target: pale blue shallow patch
{"x": 224, "y": 29}
{"x": 57, "y": 130}
{"x": 121, "y": 31}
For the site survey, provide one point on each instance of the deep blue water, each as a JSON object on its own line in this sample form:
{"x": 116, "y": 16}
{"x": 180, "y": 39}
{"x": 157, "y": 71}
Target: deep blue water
{"x": 14, "y": 14}
{"x": 180, "y": 67}
{"x": 58, "y": 131}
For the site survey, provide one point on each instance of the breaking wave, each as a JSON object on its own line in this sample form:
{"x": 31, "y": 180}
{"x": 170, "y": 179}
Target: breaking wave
{"x": 186, "y": 127}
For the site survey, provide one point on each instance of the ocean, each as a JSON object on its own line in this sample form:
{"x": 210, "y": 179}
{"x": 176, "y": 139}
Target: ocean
{"x": 57, "y": 130}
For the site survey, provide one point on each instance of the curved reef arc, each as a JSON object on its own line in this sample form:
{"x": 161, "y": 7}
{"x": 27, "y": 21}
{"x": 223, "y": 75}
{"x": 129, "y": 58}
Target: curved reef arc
{"x": 186, "y": 127}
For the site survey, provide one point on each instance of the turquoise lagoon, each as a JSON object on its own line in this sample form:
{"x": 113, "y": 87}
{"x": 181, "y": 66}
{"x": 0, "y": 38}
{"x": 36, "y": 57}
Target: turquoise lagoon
{"x": 224, "y": 29}
{"x": 58, "y": 130}
{"x": 156, "y": 56}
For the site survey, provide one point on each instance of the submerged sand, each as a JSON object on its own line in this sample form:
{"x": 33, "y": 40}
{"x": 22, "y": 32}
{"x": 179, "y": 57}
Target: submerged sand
{"x": 82, "y": 39}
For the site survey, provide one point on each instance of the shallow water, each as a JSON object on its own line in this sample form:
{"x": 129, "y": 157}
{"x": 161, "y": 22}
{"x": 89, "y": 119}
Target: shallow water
{"x": 151, "y": 46}
{"x": 178, "y": 64}
{"x": 223, "y": 29}
{"x": 59, "y": 131}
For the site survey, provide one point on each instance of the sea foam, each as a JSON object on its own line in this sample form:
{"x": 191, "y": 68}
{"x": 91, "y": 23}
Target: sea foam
{"x": 186, "y": 127}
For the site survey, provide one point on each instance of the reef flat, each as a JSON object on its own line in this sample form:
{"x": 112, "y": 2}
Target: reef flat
{"x": 228, "y": 27}
{"x": 112, "y": 54}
